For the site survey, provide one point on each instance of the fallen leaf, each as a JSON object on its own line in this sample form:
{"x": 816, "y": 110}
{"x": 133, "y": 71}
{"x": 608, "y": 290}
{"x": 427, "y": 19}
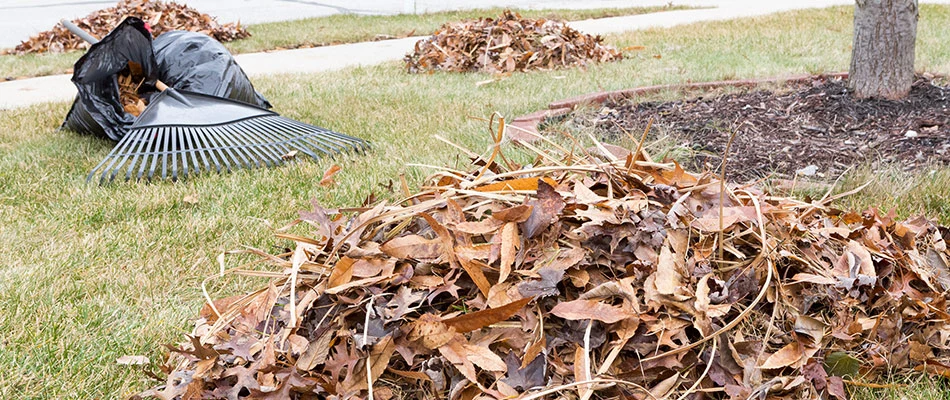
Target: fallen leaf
{"x": 521, "y": 184}
{"x": 668, "y": 278}
{"x": 431, "y": 331}
{"x": 519, "y": 213}
{"x": 524, "y": 378}
{"x": 342, "y": 272}
{"x": 786, "y": 356}
{"x": 132, "y": 360}
{"x": 589, "y": 309}
{"x": 581, "y": 370}
{"x": 480, "y": 319}
{"x": 484, "y": 358}
{"x": 662, "y": 390}
{"x": 510, "y": 242}
{"x": 546, "y": 286}
{"x": 544, "y": 210}
{"x": 327, "y": 179}
{"x": 316, "y": 353}
{"x": 454, "y": 351}
{"x": 413, "y": 246}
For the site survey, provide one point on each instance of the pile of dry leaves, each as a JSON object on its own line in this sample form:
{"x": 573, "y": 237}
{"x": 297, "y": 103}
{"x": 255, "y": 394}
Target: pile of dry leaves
{"x": 509, "y": 43}
{"x": 160, "y": 15}
{"x": 594, "y": 273}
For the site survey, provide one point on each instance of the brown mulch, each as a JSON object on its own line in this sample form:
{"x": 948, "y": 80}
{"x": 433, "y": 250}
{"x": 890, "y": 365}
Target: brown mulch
{"x": 506, "y": 44}
{"x": 814, "y": 123}
{"x": 592, "y": 273}
{"x": 162, "y": 16}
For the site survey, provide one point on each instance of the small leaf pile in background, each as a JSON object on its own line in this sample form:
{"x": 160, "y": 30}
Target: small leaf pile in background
{"x": 162, "y": 16}
{"x": 509, "y": 43}
{"x": 596, "y": 273}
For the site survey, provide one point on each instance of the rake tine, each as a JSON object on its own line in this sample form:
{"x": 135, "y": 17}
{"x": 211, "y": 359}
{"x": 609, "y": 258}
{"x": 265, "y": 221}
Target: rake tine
{"x": 202, "y": 140}
{"x": 225, "y": 154}
{"x": 276, "y": 139}
{"x": 192, "y": 139}
{"x": 173, "y": 152}
{"x": 117, "y": 161}
{"x": 253, "y": 144}
{"x": 287, "y": 139}
{"x": 337, "y": 142}
{"x": 159, "y": 144}
{"x": 121, "y": 157}
{"x": 110, "y": 158}
{"x": 270, "y": 155}
{"x": 142, "y": 145}
{"x": 246, "y": 156}
{"x": 234, "y": 157}
{"x": 167, "y": 150}
{"x": 182, "y": 151}
{"x": 101, "y": 163}
{"x": 151, "y": 142}
{"x": 169, "y": 154}
{"x": 356, "y": 143}
{"x": 301, "y": 136}
{"x": 198, "y": 144}
{"x": 308, "y": 137}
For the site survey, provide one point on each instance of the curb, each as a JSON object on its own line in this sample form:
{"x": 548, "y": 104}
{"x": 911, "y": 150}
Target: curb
{"x": 526, "y": 126}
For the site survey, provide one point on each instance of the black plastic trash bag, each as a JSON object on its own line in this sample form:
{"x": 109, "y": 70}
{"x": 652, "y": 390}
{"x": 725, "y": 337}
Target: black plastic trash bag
{"x": 197, "y": 63}
{"x": 97, "y": 109}
{"x": 182, "y": 60}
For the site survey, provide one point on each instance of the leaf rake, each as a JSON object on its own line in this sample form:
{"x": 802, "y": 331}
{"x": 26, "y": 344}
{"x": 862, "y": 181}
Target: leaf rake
{"x": 175, "y": 138}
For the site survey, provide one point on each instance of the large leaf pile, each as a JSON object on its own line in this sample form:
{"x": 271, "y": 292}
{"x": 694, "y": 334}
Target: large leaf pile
{"x": 509, "y": 43}
{"x": 593, "y": 273}
{"x": 160, "y": 15}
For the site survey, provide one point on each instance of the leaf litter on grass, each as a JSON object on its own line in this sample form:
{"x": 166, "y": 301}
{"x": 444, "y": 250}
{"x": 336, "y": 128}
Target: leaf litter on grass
{"x": 591, "y": 273}
{"x": 506, "y": 44}
{"x": 162, "y": 16}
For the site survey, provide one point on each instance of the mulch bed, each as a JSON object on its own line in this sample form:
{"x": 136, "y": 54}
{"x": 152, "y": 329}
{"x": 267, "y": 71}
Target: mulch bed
{"x": 808, "y": 123}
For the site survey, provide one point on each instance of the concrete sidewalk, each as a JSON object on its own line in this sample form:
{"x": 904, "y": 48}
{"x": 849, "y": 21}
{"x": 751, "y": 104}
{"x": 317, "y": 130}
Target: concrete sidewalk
{"x": 21, "y": 93}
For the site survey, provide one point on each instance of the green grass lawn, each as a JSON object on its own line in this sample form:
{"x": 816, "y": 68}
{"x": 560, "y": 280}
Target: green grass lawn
{"x": 89, "y": 274}
{"x": 334, "y": 29}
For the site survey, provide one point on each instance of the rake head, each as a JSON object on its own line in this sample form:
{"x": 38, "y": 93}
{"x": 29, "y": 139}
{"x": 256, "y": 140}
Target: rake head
{"x": 173, "y": 140}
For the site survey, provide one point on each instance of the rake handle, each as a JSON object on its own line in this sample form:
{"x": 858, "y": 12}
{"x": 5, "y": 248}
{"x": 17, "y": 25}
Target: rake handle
{"x": 79, "y": 32}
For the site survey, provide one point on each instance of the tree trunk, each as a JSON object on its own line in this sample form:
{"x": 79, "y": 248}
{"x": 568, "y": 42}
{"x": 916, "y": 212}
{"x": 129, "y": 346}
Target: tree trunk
{"x": 882, "y": 58}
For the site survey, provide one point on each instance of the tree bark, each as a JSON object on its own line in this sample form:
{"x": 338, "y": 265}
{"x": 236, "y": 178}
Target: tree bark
{"x": 882, "y": 58}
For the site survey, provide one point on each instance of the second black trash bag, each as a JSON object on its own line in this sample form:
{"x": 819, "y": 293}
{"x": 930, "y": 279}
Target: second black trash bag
{"x": 197, "y": 63}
